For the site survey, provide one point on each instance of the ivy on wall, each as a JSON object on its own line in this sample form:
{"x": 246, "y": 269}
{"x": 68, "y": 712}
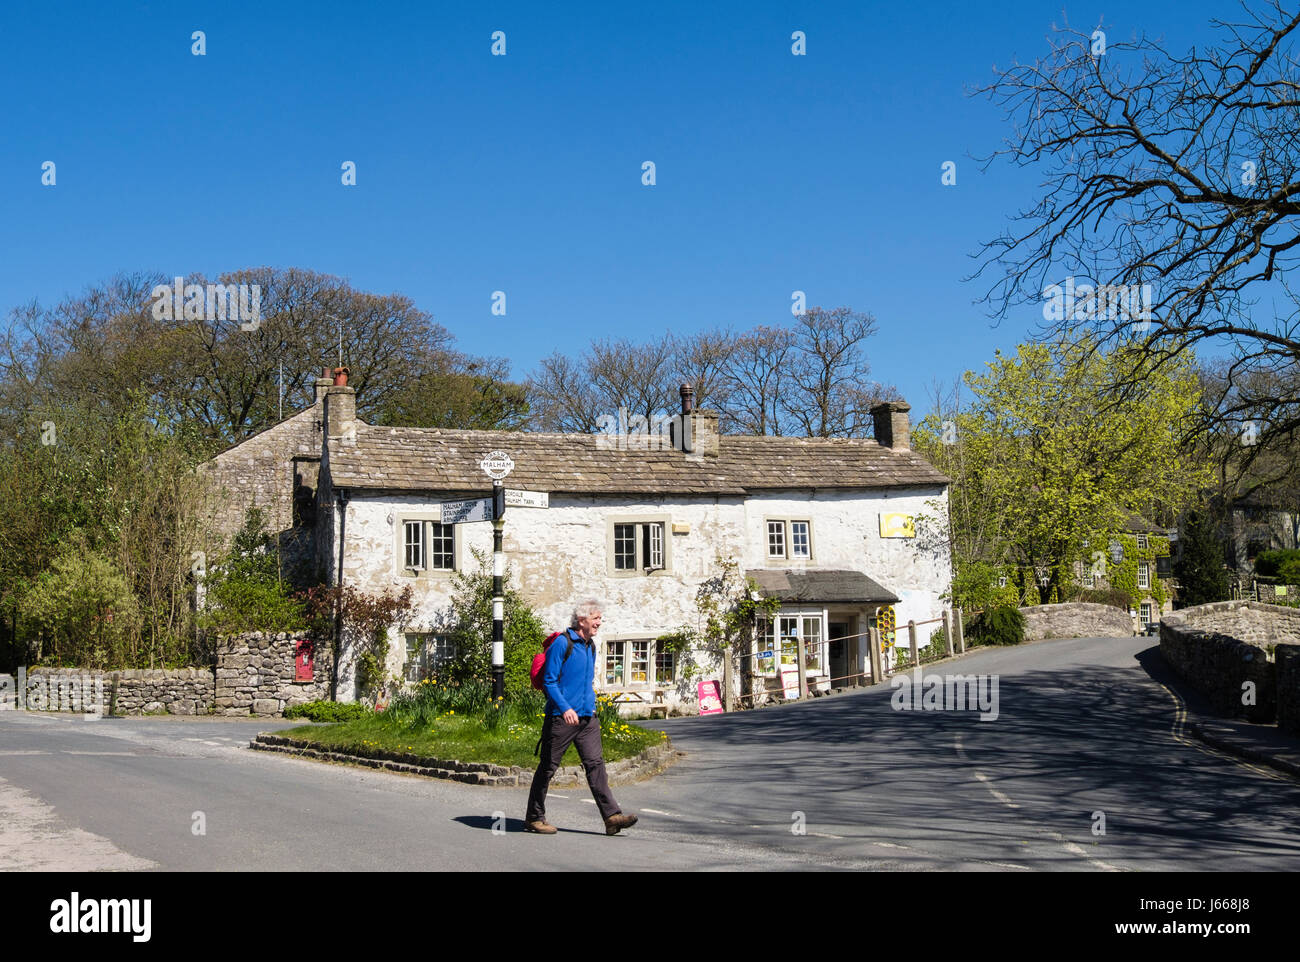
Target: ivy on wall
{"x": 1124, "y": 575}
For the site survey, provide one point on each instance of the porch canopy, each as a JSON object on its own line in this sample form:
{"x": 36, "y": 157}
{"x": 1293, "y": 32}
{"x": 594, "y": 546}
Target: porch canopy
{"x": 821, "y": 587}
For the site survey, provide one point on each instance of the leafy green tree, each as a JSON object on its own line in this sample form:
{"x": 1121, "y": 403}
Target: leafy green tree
{"x": 1200, "y": 571}
{"x": 244, "y": 591}
{"x": 83, "y": 609}
{"x": 471, "y": 632}
{"x": 1040, "y": 467}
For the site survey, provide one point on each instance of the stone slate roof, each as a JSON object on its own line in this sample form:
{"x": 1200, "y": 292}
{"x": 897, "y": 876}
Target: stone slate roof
{"x": 821, "y": 587}
{"x": 430, "y": 459}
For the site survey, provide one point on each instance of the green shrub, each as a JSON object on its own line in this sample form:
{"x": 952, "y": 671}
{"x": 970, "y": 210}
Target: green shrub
{"x": 1270, "y": 563}
{"x": 328, "y": 711}
{"x": 1288, "y": 572}
{"x": 999, "y": 626}
{"x": 245, "y": 591}
{"x": 472, "y": 632}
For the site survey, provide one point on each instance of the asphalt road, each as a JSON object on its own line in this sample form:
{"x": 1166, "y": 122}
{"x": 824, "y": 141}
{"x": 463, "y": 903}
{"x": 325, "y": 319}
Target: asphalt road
{"x": 839, "y": 782}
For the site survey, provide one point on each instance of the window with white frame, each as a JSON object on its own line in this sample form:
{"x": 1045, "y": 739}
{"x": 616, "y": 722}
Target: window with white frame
{"x": 1142, "y": 542}
{"x": 639, "y": 672}
{"x": 776, "y": 539}
{"x": 1147, "y": 613}
{"x": 637, "y": 663}
{"x": 414, "y": 541}
{"x": 1144, "y": 575}
{"x": 615, "y": 662}
{"x": 442, "y": 546}
{"x": 800, "y": 544}
{"x": 789, "y": 540}
{"x": 784, "y": 636}
{"x": 426, "y": 545}
{"x": 426, "y": 653}
{"x": 639, "y": 546}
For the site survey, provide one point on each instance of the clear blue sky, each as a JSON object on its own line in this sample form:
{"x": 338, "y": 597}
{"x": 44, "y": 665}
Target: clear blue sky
{"x": 522, "y": 173}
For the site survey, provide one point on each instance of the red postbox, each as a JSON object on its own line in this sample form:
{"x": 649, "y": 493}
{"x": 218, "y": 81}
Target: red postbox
{"x": 304, "y": 659}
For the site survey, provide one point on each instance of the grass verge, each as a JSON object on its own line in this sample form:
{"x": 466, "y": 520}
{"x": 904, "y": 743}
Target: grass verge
{"x": 464, "y": 739}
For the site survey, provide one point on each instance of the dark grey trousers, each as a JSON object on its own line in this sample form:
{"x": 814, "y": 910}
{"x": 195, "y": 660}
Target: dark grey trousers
{"x": 556, "y": 736}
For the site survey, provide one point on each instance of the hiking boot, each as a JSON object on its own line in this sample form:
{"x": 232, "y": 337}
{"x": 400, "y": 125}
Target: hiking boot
{"x": 541, "y": 827}
{"x": 616, "y": 823}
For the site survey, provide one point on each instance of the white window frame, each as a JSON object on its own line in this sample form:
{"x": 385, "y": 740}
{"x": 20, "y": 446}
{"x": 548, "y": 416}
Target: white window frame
{"x": 434, "y": 651}
{"x": 613, "y": 659}
{"x": 651, "y": 545}
{"x": 419, "y": 543}
{"x": 807, "y": 540}
{"x": 1147, "y": 610}
{"x": 783, "y": 529}
{"x": 776, "y": 539}
{"x": 1144, "y": 575}
{"x": 808, "y": 624}
{"x": 430, "y": 537}
{"x": 1142, "y": 542}
{"x": 425, "y": 520}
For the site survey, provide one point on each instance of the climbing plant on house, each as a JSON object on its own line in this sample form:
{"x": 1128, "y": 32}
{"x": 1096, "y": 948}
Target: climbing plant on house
{"x": 728, "y": 607}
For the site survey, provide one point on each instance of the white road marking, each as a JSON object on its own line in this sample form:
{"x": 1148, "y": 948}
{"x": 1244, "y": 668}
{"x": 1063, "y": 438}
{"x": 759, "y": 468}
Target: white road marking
{"x": 69, "y": 751}
{"x": 1000, "y": 796}
{"x": 1179, "y": 725}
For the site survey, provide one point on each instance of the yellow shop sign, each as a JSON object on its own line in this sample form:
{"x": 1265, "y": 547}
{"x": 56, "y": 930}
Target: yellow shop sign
{"x": 897, "y": 526}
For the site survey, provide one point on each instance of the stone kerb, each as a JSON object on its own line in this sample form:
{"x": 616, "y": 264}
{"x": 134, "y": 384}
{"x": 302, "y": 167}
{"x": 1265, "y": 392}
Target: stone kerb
{"x": 1226, "y": 648}
{"x": 1076, "y": 619}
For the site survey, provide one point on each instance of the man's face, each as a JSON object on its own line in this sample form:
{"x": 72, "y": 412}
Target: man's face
{"x": 589, "y": 625}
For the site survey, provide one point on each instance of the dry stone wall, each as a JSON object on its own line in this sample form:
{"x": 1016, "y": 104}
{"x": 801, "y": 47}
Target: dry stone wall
{"x": 256, "y": 674}
{"x": 1233, "y": 652}
{"x": 1076, "y": 620}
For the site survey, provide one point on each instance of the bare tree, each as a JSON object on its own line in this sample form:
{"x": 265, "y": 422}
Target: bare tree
{"x": 108, "y": 343}
{"x": 756, "y": 374}
{"x": 830, "y": 393}
{"x": 1175, "y": 171}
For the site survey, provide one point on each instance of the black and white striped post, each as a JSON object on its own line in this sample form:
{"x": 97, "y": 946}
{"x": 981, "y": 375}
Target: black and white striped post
{"x": 498, "y": 590}
{"x": 496, "y": 466}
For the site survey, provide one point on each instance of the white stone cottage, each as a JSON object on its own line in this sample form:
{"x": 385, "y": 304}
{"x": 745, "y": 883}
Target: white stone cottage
{"x": 825, "y": 525}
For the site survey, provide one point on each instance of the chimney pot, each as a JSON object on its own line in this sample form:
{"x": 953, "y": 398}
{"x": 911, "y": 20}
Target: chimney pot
{"x": 893, "y": 427}
{"x": 688, "y": 399}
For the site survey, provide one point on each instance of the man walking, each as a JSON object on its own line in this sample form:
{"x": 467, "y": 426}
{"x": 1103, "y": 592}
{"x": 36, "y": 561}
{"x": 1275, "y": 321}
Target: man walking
{"x": 567, "y": 680}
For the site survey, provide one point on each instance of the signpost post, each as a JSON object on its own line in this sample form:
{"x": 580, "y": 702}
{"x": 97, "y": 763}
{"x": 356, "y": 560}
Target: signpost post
{"x": 496, "y": 466}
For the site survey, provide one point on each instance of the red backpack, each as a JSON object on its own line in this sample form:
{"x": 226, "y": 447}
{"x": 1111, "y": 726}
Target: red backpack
{"x": 539, "y": 659}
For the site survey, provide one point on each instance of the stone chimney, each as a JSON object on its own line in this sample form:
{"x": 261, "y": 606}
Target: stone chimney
{"x": 323, "y": 384}
{"x": 893, "y": 429}
{"x": 340, "y": 412}
{"x": 700, "y": 438}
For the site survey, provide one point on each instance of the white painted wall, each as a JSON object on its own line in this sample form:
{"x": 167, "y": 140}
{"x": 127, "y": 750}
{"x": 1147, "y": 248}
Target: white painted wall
{"x": 559, "y": 555}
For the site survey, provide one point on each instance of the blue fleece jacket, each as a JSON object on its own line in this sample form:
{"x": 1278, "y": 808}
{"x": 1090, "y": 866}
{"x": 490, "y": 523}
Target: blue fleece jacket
{"x": 570, "y": 686}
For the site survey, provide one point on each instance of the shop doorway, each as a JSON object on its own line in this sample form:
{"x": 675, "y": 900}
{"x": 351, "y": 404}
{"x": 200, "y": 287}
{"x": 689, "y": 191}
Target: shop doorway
{"x": 842, "y": 650}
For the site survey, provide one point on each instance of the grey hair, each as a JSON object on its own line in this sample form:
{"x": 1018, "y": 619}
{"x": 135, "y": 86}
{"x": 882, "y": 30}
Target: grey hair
{"x": 585, "y": 609}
